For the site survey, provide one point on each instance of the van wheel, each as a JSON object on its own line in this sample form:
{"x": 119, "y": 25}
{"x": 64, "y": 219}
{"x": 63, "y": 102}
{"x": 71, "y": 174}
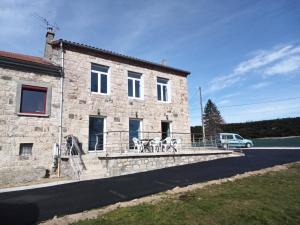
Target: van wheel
{"x": 248, "y": 145}
{"x": 225, "y": 146}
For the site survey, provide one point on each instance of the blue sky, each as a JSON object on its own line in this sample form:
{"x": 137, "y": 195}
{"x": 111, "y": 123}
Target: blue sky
{"x": 240, "y": 52}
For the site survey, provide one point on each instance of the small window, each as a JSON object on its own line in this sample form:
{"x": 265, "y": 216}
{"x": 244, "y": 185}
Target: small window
{"x": 25, "y": 150}
{"x": 134, "y": 84}
{"x": 99, "y": 79}
{"x": 33, "y": 99}
{"x": 227, "y": 136}
{"x": 163, "y": 92}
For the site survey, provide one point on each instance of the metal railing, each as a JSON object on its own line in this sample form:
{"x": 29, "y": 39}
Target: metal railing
{"x": 73, "y": 150}
{"x": 148, "y": 142}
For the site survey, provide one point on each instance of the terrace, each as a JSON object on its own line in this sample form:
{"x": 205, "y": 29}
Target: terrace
{"x": 117, "y": 153}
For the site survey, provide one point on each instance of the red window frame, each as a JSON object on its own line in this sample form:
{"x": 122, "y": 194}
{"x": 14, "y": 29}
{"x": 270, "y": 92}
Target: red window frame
{"x": 34, "y": 88}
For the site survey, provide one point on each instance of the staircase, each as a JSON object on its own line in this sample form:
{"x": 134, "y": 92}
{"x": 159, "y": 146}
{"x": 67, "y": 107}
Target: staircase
{"x": 75, "y": 155}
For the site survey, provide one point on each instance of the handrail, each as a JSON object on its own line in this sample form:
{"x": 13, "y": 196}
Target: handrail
{"x": 72, "y": 151}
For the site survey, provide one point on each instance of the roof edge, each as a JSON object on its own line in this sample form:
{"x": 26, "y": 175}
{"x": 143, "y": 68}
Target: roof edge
{"x": 121, "y": 57}
{"x": 19, "y": 64}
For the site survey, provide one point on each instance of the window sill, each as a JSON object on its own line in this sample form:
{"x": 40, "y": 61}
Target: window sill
{"x": 164, "y": 102}
{"x": 133, "y": 98}
{"x": 25, "y": 157}
{"x": 97, "y": 93}
{"x": 33, "y": 114}
{"x": 96, "y": 151}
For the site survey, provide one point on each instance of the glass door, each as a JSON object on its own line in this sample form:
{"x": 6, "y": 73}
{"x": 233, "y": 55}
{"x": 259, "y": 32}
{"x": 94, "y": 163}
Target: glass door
{"x": 96, "y": 133}
{"x": 134, "y": 130}
{"x": 165, "y": 130}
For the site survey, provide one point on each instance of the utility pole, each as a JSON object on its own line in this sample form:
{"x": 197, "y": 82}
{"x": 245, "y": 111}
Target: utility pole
{"x": 202, "y": 120}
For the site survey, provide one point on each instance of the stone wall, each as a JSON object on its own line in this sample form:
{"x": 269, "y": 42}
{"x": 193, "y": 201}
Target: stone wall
{"x": 16, "y": 129}
{"x": 110, "y": 166}
{"x": 80, "y": 103}
{"x": 21, "y": 175}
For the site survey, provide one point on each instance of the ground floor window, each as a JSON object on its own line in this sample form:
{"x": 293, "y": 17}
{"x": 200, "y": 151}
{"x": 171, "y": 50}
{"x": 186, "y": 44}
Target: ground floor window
{"x": 96, "y": 133}
{"x": 165, "y": 129}
{"x": 134, "y": 130}
{"x": 25, "y": 150}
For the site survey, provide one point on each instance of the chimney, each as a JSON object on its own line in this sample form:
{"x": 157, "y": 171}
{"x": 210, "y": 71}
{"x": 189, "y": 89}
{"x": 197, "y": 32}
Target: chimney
{"x": 49, "y": 38}
{"x": 163, "y": 62}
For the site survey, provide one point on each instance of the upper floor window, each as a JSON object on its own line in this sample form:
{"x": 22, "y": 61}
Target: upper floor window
{"x": 163, "y": 90}
{"x": 33, "y": 99}
{"x": 99, "y": 79}
{"x": 134, "y": 85}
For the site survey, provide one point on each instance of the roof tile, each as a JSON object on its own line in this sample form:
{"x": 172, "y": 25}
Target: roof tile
{"x": 27, "y": 58}
{"x": 103, "y": 51}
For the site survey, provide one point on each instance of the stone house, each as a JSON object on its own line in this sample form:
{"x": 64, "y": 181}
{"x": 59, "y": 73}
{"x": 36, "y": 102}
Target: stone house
{"x": 27, "y": 132}
{"x": 111, "y": 94}
{"x": 101, "y": 97}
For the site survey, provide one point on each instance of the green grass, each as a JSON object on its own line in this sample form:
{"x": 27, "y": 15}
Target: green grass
{"x": 273, "y": 198}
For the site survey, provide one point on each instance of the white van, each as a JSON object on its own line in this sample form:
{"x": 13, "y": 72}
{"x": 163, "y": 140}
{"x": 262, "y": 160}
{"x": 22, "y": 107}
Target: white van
{"x": 226, "y": 140}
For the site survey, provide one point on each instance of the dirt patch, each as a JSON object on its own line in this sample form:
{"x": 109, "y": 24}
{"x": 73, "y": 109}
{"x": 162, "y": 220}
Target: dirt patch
{"x": 152, "y": 199}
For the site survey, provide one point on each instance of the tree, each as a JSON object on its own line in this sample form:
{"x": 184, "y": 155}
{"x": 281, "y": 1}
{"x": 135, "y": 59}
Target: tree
{"x": 212, "y": 119}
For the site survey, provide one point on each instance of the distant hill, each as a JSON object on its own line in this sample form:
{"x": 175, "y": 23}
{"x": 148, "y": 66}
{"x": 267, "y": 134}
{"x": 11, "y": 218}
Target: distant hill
{"x": 259, "y": 129}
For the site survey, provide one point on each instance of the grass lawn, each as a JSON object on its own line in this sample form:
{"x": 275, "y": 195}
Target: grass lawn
{"x": 273, "y": 198}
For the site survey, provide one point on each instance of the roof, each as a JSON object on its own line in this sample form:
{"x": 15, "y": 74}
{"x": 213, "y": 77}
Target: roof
{"x": 29, "y": 63}
{"x": 22, "y": 57}
{"x": 119, "y": 57}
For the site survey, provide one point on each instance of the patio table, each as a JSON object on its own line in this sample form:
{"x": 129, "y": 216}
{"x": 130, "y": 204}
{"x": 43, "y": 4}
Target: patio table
{"x": 146, "y": 143}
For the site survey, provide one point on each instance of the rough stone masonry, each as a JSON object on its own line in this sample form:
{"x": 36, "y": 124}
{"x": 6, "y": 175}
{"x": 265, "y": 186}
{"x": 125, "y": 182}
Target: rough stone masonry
{"x": 70, "y": 63}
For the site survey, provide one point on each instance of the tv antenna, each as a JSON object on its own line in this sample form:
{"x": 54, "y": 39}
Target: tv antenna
{"x": 46, "y": 23}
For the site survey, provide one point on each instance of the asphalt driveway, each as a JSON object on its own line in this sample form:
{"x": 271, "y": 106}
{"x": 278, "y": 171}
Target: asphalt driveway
{"x": 35, "y": 205}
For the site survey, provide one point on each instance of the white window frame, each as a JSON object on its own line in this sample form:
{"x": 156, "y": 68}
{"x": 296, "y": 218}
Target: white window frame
{"x": 99, "y": 80}
{"x": 168, "y": 86}
{"x": 141, "y": 79}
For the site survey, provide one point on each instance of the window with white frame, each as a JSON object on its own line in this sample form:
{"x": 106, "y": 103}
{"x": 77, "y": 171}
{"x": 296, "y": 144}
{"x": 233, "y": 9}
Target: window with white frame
{"x": 99, "y": 79}
{"x": 135, "y": 85}
{"x": 163, "y": 90}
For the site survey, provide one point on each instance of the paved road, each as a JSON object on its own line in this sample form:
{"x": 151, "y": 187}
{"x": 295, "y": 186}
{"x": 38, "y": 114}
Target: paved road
{"x": 32, "y": 206}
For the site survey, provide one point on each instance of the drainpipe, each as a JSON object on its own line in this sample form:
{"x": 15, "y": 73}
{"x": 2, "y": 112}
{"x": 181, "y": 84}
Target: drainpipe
{"x": 61, "y": 109}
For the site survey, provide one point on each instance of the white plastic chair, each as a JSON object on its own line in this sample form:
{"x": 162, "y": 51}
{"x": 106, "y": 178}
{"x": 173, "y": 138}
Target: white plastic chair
{"x": 138, "y": 145}
{"x": 176, "y": 145}
{"x": 155, "y": 144}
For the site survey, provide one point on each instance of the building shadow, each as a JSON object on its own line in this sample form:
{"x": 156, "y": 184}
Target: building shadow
{"x": 18, "y": 213}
